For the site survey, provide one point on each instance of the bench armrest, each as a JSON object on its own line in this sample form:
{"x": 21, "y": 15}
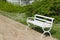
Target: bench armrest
{"x": 30, "y": 18}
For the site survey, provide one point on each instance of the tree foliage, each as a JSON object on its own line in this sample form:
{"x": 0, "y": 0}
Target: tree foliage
{"x": 45, "y": 7}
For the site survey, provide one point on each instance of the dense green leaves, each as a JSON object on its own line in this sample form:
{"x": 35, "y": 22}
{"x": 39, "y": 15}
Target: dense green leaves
{"x": 10, "y": 7}
{"x": 43, "y": 7}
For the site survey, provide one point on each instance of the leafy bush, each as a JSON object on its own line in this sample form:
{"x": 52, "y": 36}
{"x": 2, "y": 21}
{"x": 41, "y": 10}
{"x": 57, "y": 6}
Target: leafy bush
{"x": 44, "y": 7}
{"x": 10, "y": 7}
{"x": 3, "y": 0}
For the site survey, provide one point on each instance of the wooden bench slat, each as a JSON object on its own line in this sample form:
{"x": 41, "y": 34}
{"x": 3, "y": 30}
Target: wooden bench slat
{"x": 44, "y": 16}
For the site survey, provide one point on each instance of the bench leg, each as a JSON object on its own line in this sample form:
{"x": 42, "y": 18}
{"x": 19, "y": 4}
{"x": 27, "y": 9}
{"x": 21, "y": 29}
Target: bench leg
{"x": 48, "y": 31}
{"x": 27, "y": 26}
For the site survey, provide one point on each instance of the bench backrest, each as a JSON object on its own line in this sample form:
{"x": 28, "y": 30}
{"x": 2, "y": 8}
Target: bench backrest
{"x": 44, "y": 19}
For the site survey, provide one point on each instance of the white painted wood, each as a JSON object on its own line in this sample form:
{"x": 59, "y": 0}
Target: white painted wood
{"x": 9, "y": 0}
{"x": 41, "y": 21}
{"x": 21, "y": 2}
{"x": 31, "y": 1}
{"x": 45, "y": 17}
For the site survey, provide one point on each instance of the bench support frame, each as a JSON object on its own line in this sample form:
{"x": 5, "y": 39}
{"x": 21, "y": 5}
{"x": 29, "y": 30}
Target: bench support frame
{"x": 44, "y": 31}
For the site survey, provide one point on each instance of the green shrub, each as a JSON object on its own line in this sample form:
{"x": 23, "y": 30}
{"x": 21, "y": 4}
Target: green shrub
{"x": 3, "y": 0}
{"x": 10, "y": 7}
{"x": 44, "y": 7}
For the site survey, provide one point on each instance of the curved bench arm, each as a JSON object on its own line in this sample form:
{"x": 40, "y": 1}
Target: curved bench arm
{"x": 30, "y": 18}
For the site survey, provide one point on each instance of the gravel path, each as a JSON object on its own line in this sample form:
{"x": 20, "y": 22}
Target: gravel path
{"x": 12, "y": 30}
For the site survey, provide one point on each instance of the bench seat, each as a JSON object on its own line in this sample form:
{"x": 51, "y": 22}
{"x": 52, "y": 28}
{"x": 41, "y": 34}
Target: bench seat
{"x": 39, "y": 23}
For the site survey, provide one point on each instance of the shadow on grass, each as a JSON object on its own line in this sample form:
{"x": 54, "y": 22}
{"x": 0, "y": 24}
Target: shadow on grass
{"x": 39, "y": 29}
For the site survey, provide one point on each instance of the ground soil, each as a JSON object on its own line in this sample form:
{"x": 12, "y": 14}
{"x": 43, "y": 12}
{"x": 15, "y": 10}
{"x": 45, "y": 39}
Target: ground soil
{"x": 12, "y": 30}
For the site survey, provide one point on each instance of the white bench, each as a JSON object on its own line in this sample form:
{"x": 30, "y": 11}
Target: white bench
{"x": 41, "y": 21}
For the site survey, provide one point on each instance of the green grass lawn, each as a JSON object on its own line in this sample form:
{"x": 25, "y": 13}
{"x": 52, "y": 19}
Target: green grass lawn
{"x": 57, "y": 31}
{"x": 21, "y": 17}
